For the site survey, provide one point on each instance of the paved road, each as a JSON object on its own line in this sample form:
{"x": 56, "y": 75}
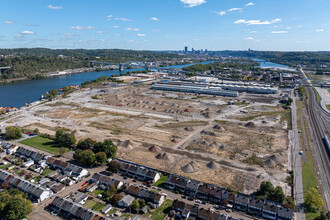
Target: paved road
{"x": 297, "y": 169}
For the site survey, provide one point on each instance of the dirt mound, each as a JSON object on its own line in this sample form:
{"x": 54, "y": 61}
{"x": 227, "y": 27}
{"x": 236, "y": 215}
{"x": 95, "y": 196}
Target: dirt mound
{"x": 214, "y": 145}
{"x": 275, "y": 159}
{"x": 155, "y": 149}
{"x": 191, "y": 167}
{"x": 249, "y": 125}
{"x": 164, "y": 156}
{"x": 127, "y": 144}
{"x": 213, "y": 165}
{"x": 207, "y": 133}
{"x": 188, "y": 129}
{"x": 218, "y": 128}
{"x": 269, "y": 163}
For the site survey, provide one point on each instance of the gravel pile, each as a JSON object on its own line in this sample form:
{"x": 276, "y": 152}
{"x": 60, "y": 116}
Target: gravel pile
{"x": 191, "y": 167}
{"x": 213, "y": 165}
{"x": 155, "y": 149}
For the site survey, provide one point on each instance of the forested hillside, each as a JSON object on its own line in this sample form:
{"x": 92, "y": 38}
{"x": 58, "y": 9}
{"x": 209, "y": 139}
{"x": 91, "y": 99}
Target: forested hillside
{"x": 33, "y": 63}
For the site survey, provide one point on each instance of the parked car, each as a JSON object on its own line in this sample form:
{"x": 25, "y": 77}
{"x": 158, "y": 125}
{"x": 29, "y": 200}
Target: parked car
{"x": 198, "y": 201}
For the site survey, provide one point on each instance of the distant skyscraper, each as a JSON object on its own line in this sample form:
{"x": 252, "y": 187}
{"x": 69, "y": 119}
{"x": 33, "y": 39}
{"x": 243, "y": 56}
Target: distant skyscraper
{"x": 192, "y": 50}
{"x": 186, "y": 50}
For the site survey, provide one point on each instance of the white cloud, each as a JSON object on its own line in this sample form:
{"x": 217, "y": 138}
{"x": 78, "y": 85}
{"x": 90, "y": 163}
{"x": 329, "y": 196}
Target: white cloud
{"x": 68, "y": 34}
{"x": 154, "y": 19}
{"x": 130, "y": 41}
{"x": 117, "y": 35}
{"x": 192, "y": 3}
{"x": 9, "y": 22}
{"x": 141, "y": 35}
{"x": 221, "y": 13}
{"x": 83, "y": 28}
{"x": 279, "y": 32}
{"x": 253, "y": 32}
{"x": 99, "y": 32}
{"x": 257, "y": 22}
{"x": 319, "y": 30}
{"x": 249, "y": 4}
{"x": 115, "y": 26}
{"x": 249, "y": 38}
{"x": 18, "y": 36}
{"x": 288, "y": 28}
{"x": 299, "y": 25}
{"x": 145, "y": 40}
{"x": 132, "y": 29}
{"x": 235, "y": 9}
{"x": 109, "y": 16}
{"x": 122, "y": 19}
{"x": 27, "y": 32}
{"x": 54, "y": 7}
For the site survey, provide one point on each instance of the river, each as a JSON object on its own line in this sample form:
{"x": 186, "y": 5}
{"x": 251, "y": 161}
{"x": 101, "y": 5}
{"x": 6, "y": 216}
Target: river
{"x": 18, "y": 93}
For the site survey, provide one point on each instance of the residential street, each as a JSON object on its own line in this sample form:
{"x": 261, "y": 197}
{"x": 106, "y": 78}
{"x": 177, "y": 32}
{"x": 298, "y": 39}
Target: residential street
{"x": 296, "y": 158}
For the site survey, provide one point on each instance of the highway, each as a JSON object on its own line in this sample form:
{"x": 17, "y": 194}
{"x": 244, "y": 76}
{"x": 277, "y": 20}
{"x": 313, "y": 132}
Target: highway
{"x": 319, "y": 120}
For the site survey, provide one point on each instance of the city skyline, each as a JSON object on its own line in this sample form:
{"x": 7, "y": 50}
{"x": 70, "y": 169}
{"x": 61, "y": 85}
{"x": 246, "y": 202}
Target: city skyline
{"x": 167, "y": 25}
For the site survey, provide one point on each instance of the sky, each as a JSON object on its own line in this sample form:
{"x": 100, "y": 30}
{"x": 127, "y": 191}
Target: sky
{"x": 281, "y": 25}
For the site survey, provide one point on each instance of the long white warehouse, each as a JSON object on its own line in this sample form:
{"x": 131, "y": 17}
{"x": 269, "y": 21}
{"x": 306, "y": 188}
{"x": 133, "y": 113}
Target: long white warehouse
{"x": 199, "y": 89}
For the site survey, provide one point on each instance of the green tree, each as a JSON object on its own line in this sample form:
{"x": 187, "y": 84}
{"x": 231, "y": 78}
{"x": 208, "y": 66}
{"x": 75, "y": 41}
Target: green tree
{"x": 64, "y": 138}
{"x": 135, "y": 204}
{"x": 278, "y": 195}
{"x": 116, "y": 198}
{"x": 85, "y": 157}
{"x": 313, "y": 200}
{"x": 113, "y": 166}
{"x": 142, "y": 203}
{"x": 266, "y": 187}
{"x": 36, "y": 131}
{"x": 18, "y": 208}
{"x": 14, "y": 205}
{"x": 61, "y": 151}
{"x": 107, "y": 146}
{"x": 52, "y": 93}
{"x": 101, "y": 158}
{"x": 88, "y": 143}
{"x": 13, "y": 133}
{"x": 108, "y": 194}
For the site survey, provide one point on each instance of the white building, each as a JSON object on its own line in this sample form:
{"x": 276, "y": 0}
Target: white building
{"x": 28, "y": 163}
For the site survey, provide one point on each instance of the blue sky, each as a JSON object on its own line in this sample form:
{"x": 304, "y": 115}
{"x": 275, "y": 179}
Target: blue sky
{"x": 166, "y": 24}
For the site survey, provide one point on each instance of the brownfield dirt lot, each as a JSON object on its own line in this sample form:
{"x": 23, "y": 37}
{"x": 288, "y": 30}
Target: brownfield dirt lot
{"x": 176, "y": 132}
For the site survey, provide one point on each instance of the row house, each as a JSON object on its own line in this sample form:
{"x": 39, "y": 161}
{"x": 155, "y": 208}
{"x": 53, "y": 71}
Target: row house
{"x": 192, "y": 187}
{"x": 242, "y": 203}
{"x": 104, "y": 181}
{"x": 269, "y": 210}
{"x": 188, "y": 211}
{"x": 36, "y": 193}
{"x": 143, "y": 193}
{"x": 67, "y": 168}
{"x": 255, "y": 206}
{"x": 138, "y": 172}
{"x": 203, "y": 192}
{"x": 31, "y": 154}
{"x": 176, "y": 183}
{"x": 74, "y": 210}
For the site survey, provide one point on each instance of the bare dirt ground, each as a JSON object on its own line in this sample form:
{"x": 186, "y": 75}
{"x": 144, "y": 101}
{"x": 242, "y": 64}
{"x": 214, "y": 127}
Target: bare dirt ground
{"x": 247, "y": 142}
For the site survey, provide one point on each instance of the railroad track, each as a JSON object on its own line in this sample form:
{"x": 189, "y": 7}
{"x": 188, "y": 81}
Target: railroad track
{"x": 318, "y": 127}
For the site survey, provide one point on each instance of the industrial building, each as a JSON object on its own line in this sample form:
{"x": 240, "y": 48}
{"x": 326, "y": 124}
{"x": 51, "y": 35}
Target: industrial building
{"x": 195, "y": 88}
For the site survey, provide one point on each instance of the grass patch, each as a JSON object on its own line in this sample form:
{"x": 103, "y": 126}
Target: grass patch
{"x": 46, "y": 172}
{"x": 98, "y": 206}
{"x": 254, "y": 160}
{"x": 44, "y": 144}
{"x": 161, "y": 181}
{"x": 162, "y": 211}
{"x": 90, "y": 204}
{"x": 318, "y": 97}
{"x": 328, "y": 107}
{"x": 308, "y": 169}
{"x": 98, "y": 191}
{"x": 4, "y": 167}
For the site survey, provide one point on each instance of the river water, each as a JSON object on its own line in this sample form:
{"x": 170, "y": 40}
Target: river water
{"x": 18, "y": 93}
